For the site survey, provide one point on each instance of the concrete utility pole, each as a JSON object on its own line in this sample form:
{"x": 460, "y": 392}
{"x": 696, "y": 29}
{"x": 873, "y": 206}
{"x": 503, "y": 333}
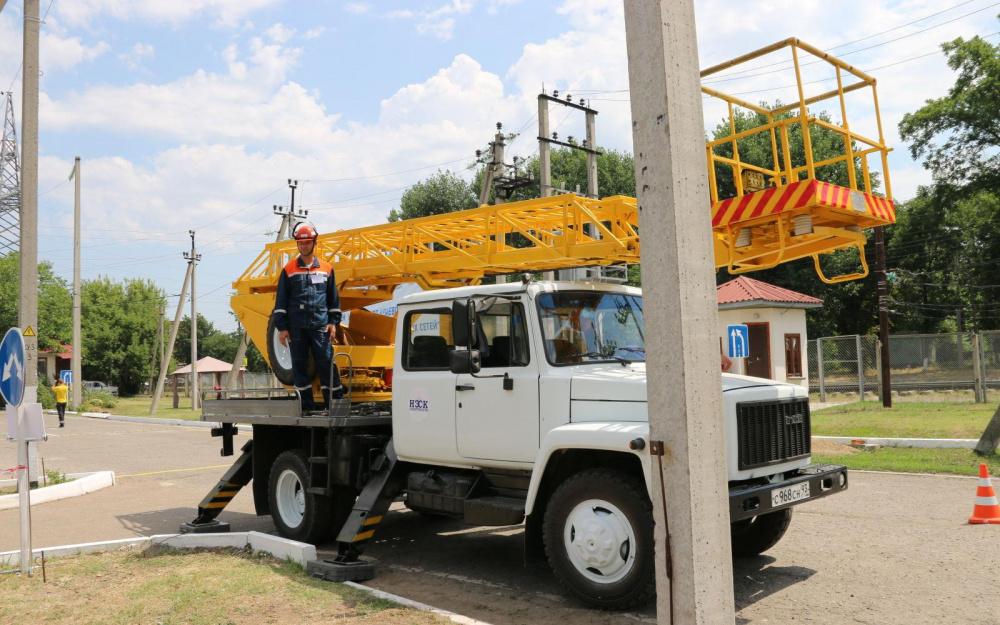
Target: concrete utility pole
{"x": 28, "y": 309}
{"x": 165, "y": 362}
{"x": 694, "y": 574}
{"x": 193, "y": 258}
{"x": 75, "y": 362}
{"x": 883, "y": 318}
{"x": 158, "y": 353}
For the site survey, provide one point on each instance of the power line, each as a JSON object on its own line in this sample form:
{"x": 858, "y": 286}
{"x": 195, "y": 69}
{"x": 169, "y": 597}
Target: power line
{"x": 745, "y": 73}
{"x": 383, "y": 175}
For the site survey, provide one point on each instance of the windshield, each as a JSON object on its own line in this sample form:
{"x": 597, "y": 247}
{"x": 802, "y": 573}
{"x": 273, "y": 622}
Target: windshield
{"x": 587, "y": 326}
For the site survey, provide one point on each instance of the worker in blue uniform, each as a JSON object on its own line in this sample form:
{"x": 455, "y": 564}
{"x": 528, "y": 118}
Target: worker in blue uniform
{"x": 307, "y": 316}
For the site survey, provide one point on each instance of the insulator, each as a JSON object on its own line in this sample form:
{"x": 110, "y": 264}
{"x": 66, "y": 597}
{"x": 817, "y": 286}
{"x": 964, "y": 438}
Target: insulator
{"x": 803, "y": 224}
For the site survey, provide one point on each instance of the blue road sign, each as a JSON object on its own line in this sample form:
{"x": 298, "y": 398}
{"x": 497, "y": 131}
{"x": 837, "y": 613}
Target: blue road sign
{"x": 12, "y": 367}
{"x": 66, "y": 375}
{"x": 738, "y": 338}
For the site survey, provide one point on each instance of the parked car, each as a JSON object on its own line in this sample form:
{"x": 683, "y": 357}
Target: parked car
{"x": 93, "y": 385}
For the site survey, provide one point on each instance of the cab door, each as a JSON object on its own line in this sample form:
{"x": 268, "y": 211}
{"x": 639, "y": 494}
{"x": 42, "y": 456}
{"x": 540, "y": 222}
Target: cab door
{"x": 496, "y": 410}
{"x": 423, "y": 394}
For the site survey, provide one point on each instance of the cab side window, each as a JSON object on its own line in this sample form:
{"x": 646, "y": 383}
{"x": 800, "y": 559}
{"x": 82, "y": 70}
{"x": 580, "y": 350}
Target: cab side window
{"x": 427, "y": 339}
{"x": 503, "y": 336}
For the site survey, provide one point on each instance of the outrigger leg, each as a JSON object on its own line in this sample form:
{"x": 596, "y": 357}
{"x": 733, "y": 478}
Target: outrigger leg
{"x": 369, "y": 510}
{"x": 238, "y": 476}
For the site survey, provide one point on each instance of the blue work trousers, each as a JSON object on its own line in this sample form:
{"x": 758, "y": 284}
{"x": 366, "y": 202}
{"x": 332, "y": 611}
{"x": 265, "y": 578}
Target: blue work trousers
{"x": 315, "y": 341}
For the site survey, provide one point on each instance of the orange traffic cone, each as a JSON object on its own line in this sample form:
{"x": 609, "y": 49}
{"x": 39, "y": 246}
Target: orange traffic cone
{"x": 987, "y": 509}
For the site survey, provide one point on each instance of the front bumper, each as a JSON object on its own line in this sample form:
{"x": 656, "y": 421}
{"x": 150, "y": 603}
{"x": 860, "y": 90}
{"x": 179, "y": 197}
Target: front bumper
{"x": 746, "y": 501}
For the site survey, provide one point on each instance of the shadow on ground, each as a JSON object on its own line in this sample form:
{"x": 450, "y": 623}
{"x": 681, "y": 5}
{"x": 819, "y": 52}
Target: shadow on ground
{"x": 168, "y": 521}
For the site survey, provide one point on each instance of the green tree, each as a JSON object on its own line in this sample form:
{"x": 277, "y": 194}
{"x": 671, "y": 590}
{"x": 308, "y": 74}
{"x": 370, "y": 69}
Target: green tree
{"x": 946, "y": 243}
{"x": 119, "y": 322}
{"x": 207, "y": 346}
{"x": 55, "y": 303}
{"x": 444, "y": 192}
{"x": 958, "y": 134}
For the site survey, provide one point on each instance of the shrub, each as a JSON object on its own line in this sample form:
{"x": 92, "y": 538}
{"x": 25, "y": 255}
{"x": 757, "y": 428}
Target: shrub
{"x": 45, "y": 396}
{"x": 99, "y": 399}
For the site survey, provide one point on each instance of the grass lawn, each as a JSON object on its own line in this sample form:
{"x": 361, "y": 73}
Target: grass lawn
{"x": 188, "y": 588}
{"x": 904, "y": 420}
{"x": 138, "y": 406}
{"x": 913, "y": 460}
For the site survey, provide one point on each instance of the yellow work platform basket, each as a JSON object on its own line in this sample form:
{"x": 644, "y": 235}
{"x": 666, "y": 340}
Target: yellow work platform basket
{"x": 780, "y": 208}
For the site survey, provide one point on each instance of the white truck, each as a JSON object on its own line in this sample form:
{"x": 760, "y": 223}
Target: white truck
{"x": 514, "y": 403}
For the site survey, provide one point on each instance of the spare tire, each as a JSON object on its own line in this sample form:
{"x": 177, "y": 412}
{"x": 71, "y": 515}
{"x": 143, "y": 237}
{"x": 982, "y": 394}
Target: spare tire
{"x": 280, "y": 356}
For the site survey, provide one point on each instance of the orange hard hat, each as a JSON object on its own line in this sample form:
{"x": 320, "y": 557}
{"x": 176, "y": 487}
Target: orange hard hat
{"x": 304, "y": 232}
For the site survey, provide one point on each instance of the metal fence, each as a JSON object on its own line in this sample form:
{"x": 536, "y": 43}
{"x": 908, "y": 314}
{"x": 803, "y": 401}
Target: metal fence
{"x": 957, "y": 361}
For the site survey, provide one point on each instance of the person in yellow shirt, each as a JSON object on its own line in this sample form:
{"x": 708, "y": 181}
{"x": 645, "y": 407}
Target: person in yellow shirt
{"x": 61, "y": 392}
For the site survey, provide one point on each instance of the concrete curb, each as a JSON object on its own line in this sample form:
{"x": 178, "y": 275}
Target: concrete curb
{"x": 82, "y": 484}
{"x": 280, "y": 548}
{"x": 416, "y": 605}
{"x": 146, "y": 420}
{"x": 925, "y": 443}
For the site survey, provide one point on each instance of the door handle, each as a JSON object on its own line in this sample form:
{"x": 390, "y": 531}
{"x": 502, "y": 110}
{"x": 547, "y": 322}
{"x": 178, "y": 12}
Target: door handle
{"x": 465, "y": 387}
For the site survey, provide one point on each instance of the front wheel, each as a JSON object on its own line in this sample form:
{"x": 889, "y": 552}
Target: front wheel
{"x": 598, "y": 533}
{"x": 754, "y": 536}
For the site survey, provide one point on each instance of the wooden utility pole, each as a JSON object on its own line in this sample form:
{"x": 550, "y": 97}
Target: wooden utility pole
{"x": 694, "y": 569}
{"x": 76, "y": 362}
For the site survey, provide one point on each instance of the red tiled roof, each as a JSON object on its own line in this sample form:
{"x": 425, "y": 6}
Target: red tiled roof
{"x": 746, "y": 290}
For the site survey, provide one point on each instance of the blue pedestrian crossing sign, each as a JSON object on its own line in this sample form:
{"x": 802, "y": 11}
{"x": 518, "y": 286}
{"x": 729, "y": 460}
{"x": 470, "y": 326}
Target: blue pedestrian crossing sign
{"x": 12, "y": 367}
{"x": 738, "y": 338}
{"x": 66, "y": 375}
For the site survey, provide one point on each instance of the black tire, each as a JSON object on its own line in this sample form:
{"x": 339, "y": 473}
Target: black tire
{"x": 752, "y": 537}
{"x": 306, "y": 517}
{"x": 630, "y": 567}
{"x": 280, "y": 357}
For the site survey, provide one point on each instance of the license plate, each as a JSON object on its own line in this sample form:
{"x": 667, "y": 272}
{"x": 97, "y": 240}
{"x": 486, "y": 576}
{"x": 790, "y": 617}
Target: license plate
{"x": 789, "y": 494}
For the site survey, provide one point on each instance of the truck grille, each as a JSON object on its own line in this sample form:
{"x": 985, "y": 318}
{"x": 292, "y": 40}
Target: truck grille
{"x": 771, "y": 432}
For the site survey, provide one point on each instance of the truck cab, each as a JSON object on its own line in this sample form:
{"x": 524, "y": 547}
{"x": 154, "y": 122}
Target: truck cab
{"x": 540, "y": 389}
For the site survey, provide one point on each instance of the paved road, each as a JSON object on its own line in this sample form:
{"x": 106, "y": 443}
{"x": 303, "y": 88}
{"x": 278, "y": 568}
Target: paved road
{"x": 892, "y": 549}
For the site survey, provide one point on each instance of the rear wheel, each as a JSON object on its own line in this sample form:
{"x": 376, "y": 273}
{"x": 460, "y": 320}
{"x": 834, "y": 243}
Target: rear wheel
{"x": 297, "y": 514}
{"x": 754, "y": 536}
{"x": 598, "y": 534}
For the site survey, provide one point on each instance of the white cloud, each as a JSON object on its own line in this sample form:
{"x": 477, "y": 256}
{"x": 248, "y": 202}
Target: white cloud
{"x": 438, "y": 22}
{"x": 138, "y": 53}
{"x": 314, "y": 33}
{"x": 357, "y": 8}
{"x": 225, "y": 12}
{"x": 279, "y": 33}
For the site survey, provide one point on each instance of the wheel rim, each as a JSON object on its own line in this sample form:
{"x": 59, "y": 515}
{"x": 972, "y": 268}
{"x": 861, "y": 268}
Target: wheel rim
{"x": 291, "y": 498}
{"x": 282, "y": 353}
{"x": 600, "y": 541}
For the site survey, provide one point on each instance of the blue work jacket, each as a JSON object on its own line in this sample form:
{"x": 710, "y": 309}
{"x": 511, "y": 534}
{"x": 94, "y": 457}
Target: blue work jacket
{"x": 307, "y": 296}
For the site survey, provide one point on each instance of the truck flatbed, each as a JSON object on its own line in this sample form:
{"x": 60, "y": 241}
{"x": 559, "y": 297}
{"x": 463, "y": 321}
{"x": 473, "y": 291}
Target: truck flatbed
{"x": 279, "y": 407}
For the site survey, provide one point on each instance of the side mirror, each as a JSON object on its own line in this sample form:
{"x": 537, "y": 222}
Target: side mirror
{"x": 463, "y": 319}
{"x": 464, "y": 361}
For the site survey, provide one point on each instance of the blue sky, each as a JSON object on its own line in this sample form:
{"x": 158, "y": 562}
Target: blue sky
{"x": 193, "y": 114}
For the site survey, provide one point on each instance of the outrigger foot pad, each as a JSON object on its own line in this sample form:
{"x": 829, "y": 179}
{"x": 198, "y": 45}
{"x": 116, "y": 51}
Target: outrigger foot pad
{"x": 211, "y": 527}
{"x": 332, "y": 571}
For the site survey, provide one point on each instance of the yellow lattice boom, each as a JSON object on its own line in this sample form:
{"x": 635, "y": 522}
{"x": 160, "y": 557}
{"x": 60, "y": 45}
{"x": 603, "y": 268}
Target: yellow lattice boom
{"x": 441, "y": 251}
